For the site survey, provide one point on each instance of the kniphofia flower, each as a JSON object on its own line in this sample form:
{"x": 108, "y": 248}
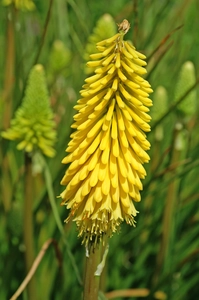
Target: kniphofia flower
{"x": 108, "y": 147}
{"x": 33, "y": 124}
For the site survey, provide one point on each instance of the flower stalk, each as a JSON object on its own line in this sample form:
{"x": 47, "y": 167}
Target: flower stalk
{"x": 91, "y": 281}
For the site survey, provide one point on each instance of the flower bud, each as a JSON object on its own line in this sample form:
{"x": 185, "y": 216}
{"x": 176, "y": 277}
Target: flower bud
{"x": 33, "y": 124}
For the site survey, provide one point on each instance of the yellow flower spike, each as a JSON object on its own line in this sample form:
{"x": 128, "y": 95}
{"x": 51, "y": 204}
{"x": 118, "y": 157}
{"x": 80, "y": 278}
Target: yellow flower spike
{"x": 108, "y": 147}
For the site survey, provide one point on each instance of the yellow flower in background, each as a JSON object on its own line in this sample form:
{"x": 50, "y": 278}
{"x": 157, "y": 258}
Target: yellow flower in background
{"x": 108, "y": 147}
{"x": 20, "y": 4}
{"x": 33, "y": 124}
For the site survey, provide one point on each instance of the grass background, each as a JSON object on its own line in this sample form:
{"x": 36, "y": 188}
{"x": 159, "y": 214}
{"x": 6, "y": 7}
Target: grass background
{"x": 161, "y": 253}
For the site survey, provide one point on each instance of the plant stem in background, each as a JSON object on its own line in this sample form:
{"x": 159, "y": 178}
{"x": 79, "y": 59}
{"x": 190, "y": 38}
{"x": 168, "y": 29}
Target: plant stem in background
{"x": 35, "y": 265}
{"x": 28, "y": 224}
{"x": 7, "y": 99}
{"x": 9, "y": 68}
{"x": 44, "y": 32}
{"x": 136, "y": 21}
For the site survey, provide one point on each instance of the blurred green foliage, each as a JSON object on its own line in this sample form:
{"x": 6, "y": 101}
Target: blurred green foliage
{"x": 161, "y": 253}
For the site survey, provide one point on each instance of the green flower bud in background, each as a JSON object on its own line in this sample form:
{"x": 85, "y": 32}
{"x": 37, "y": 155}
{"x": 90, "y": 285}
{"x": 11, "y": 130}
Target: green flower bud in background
{"x": 20, "y": 4}
{"x": 160, "y": 103}
{"x": 105, "y": 28}
{"x": 33, "y": 124}
{"x": 59, "y": 58}
{"x": 160, "y": 106}
{"x": 180, "y": 140}
{"x": 186, "y": 79}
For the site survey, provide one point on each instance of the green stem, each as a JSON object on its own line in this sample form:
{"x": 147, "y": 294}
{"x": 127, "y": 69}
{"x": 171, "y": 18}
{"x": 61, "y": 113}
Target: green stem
{"x": 9, "y": 68}
{"x": 136, "y": 21}
{"x": 6, "y": 102}
{"x": 28, "y": 225}
{"x": 91, "y": 281}
{"x": 44, "y": 32}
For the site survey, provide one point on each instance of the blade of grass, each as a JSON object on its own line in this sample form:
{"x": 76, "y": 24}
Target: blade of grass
{"x": 51, "y": 195}
{"x": 80, "y": 16}
{"x": 163, "y": 41}
{"x": 165, "y": 254}
{"x": 160, "y": 57}
{"x": 157, "y": 18}
{"x": 44, "y": 31}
